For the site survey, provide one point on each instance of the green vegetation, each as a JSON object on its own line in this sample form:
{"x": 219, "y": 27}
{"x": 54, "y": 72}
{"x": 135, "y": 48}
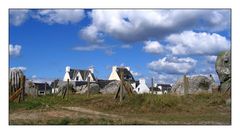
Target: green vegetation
{"x": 136, "y": 109}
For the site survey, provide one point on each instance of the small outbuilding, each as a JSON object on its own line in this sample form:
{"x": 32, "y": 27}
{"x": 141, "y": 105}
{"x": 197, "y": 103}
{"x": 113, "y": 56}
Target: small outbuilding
{"x": 142, "y": 87}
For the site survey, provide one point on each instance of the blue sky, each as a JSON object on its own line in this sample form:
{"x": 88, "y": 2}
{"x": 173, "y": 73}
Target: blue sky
{"x": 163, "y": 44}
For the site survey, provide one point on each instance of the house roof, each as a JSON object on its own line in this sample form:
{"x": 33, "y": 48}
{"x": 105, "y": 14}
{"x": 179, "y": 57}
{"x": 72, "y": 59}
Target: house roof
{"x": 164, "y": 85}
{"x": 41, "y": 86}
{"x": 126, "y": 74}
{"x": 84, "y": 73}
{"x": 154, "y": 89}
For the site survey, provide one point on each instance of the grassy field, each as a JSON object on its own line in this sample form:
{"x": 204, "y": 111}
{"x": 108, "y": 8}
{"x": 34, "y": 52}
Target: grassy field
{"x": 137, "y": 109}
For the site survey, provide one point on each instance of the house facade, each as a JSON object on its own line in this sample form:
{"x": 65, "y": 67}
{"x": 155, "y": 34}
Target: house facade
{"x": 142, "y": 87}
{"x": 37, "y": 89}
{"x": 161, "y": 88}
{"x": 79, "y": 75}
{"x": 115, "y": 74}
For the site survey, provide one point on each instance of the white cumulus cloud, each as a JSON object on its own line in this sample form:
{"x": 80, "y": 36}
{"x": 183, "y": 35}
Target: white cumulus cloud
{"x": 20, "y": 67}
{"x": 189, "y": 42}
{"x": 140, "y": 25}
{"x": 173, "y": 65}
{"x": 18, "y": 16}
{"x": 92, "y": 47}
{"x": 89, "y": 47}
{"x": 34, "y": 76}
{"x": 126, "y": 46}
{"x": 59, "y": 16}
{"x": 135, "y": 74}
{"x": 15, "y": 50}
{"x": 91, "y": 34}
{"x": 153, "y": 47}
{"x": 211, "y": 59}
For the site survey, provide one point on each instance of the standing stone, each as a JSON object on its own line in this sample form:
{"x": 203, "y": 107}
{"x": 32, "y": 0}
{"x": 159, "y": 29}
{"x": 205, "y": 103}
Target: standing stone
{"x": 223, "y": 69}
{"x": 196, "y": 84}
{"x": 111, "y": 88}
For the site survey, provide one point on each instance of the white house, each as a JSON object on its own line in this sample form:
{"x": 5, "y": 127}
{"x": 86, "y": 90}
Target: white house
{"x": 142, "y": 87}
{"x": 79, "y": 75}
{"x": 161, "y": 88}
{"x": 115, "y": 74}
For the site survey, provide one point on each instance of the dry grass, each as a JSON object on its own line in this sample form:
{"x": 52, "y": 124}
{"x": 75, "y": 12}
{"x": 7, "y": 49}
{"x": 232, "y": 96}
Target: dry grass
{"x": 137, "y": 109}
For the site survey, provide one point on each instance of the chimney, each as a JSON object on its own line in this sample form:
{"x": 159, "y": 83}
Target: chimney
{"x": 114, "y": 68}
{"x": 155, "y": 85}
{"x": 68, "y": 69}
{"x": 142, "y": 80}
{"x": 91, "y": 69}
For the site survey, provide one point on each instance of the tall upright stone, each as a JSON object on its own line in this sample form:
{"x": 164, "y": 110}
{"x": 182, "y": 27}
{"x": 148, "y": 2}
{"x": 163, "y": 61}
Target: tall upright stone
{"x": 223, "y": 69}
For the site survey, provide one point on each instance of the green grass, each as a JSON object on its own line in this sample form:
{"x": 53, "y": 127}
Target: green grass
{"x": 135, "y": 103}
{"x": 161, "y": 108}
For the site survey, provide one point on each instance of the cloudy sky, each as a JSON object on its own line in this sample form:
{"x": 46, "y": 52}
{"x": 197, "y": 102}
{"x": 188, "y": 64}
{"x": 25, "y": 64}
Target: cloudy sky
{"x": 163, "y": 44}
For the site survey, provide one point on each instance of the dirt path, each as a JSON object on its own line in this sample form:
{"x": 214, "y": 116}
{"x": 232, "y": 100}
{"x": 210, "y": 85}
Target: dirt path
{"x": 111, "y": 116}
{"x": 27, "y": 116}
{"x": 70, "y": 112}
{"x": 89, "y": 111}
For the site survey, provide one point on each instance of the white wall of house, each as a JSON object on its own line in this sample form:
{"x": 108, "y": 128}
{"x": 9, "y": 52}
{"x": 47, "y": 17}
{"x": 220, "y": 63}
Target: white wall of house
{"x": 78, "y": 77}
{"x": 55, "y": 90}
{"x": 91, "y": 77}
{"x": 114, "y": 75}
{"x": 134, "y": 85}
{"x": 91, "y": 69}
{"x": 66, "y": 77}
{"x": 142, "y": 87}
{"x": 158, "y": 92}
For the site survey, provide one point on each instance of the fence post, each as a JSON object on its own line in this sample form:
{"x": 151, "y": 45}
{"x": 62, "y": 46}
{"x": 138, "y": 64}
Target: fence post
{"x": 23, "y": 87}
{"x": 88, "y": 86}
{"x": 186, "y": 84}
{"x": 121, "y": 85}
{"x": 10, "y": 87}
{"x": 64, "y": 92}
{"x": 152, "y": 85}
{"x": 54, "y": 86}
{"x": 45, "y": 88}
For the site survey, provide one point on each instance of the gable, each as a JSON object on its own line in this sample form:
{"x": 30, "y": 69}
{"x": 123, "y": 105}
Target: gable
{"x": 84, "y": 74}
{"x": 126, "y": 74}
{"x": 78, "y": 77}
{"x": 81, "y": 75}
{"x": 142, "y": 88}
{"x": 114, "y": 76}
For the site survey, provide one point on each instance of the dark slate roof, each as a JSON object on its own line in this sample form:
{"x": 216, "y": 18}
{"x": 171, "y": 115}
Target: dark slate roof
{"x": 154, "y": 89}
{"x": 41, "y": 86}
{"x": 137, "y": 83}
{"x": 126, "y": 75}
{"x": 165, "y": 85}
{"x": 55, "y": 82}
{"x": 84, "y": 73}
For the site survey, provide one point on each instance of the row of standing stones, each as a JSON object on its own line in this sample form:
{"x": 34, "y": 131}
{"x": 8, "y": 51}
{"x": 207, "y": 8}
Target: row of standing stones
{"x": 197, "y": 84}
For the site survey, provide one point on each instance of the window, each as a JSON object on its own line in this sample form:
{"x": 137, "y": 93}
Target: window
{"x": 138, "y": 89}
{"x": 77, "y": 78}
{"x": 41, "y": 92}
